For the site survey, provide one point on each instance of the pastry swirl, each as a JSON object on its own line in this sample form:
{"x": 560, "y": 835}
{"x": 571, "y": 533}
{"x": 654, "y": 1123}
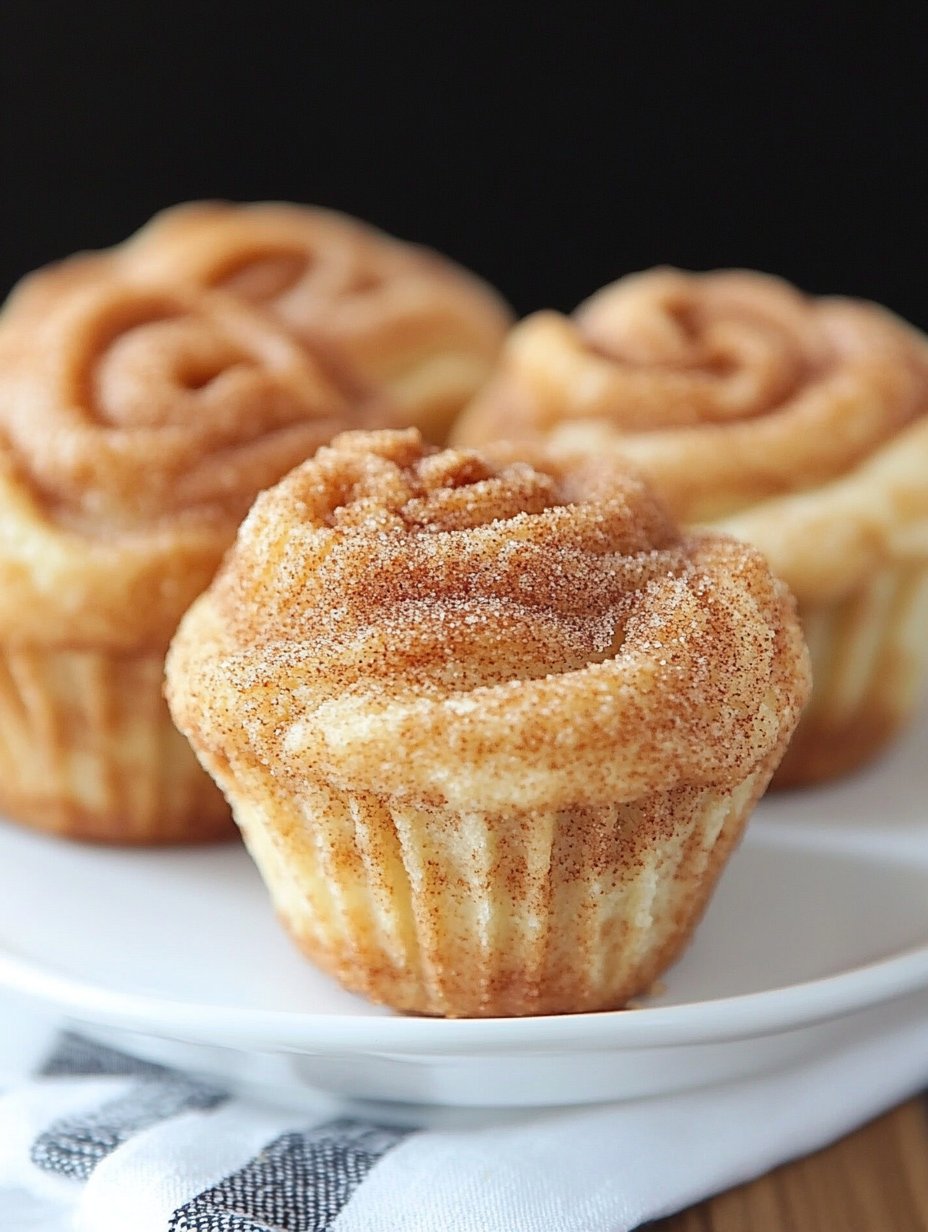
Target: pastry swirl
{"x": 440, "y": 627}
{"x": 728, "y": 390}
{"x": 147, "y": 394}
{"x": 490, "y": 727}
{"x": 150, "y": 403}
{"x": 797, "y": 424}
{"x": 137, "y": 423}
{"x": 393, "y": 318}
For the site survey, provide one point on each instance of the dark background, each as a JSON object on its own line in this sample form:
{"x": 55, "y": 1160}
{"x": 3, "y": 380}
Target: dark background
{"x": 551, "y": 149}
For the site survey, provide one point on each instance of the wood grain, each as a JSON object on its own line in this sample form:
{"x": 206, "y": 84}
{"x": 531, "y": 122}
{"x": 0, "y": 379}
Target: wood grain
{"x": 875, "y": 1180}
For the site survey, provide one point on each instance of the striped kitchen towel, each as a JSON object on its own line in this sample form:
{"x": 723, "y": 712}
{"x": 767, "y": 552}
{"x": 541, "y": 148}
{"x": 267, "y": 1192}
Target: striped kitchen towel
{"x": 94, "y": 1140}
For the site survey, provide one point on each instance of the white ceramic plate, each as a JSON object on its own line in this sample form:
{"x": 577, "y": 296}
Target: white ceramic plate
{"x": 818, "y": 934}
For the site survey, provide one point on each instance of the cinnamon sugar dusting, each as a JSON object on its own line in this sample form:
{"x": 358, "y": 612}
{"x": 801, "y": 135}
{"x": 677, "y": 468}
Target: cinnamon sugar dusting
{"x": 143, "y": 404}
{"x": 400, "y": 320}
{"x": 724, "y": 389}
{"x": 149, "y": 391}
{"x": 323, "y": 275}
{"x": 490, "y": 725}
{"x": 449, "y": 628}
{"x": 796, "y": 423}
{"x": 137, "y": 424}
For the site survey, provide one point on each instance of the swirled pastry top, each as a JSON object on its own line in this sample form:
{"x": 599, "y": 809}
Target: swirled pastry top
{"x": 441, "y": 626}
{"x": 390, "y": 316}
{"x": 728, "y": 390}
{"x": 137, "y": 424}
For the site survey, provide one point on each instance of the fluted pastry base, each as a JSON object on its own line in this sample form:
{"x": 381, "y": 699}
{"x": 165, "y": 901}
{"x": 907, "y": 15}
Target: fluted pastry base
{"x": 869, "y": 661}
{"x": 88, "y": 751}
{"x": 475, "y": 915}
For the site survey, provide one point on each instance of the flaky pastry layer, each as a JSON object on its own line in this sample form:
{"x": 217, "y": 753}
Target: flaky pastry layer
{"x": 438, "y": 627}
{"x": 749, "y": 406}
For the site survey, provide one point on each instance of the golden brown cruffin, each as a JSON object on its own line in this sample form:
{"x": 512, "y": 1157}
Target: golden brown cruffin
{"x": 799, "y": 424}
{"x": 392, "y": 319}
{"x": 137, "y": 424}
{"x": 490, "y": 729}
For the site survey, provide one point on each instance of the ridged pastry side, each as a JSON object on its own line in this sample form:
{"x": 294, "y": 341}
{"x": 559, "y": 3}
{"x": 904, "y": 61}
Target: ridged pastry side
{"x": 490, "y": 730}
{"x": 856, "y": 551}
{"x": 88, "y": 751}
{"x": 869, "y": 657}
{"x": 471, "y": 914}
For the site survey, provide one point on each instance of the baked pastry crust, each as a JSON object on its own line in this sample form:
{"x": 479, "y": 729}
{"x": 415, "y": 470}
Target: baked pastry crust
{"x": 392, "y": 319}
{"x": 798, "y": 424}
{"x": 137, "y": 423}
{"x": 439, "y": 689}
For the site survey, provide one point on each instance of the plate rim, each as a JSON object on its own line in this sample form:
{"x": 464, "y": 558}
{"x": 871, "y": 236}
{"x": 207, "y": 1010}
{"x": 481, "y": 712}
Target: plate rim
{"x": 742, "y": 1016}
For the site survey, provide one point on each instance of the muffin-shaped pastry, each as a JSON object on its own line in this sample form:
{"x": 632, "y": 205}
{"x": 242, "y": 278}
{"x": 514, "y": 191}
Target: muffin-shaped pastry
{"x": 395, "y": 320}
{"x": 490, "y": 730}
{"x": 137, "y": 424}
{"x": 799, "y": 424}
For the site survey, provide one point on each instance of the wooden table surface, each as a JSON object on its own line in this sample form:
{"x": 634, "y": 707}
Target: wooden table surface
{"x": 875, "y": 1180}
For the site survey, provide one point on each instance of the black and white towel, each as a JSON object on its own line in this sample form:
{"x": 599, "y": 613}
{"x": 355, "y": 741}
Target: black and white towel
{"x": 94, "y": 1140}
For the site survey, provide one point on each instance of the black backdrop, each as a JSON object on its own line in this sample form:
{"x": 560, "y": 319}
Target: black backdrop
{"x": 550, "y": 149}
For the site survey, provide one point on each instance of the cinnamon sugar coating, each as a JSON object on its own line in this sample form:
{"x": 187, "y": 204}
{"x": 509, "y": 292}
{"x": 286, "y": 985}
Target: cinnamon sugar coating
{"x": 137, "y": 424}
{"x": 797, "y": 424}
{"x": 147, "y": 394}
{"x": 490, "y": 728}
{"x": 395, "y": 320}
{"x": 749, "y": 406}
{"x": 440, "y": 628}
